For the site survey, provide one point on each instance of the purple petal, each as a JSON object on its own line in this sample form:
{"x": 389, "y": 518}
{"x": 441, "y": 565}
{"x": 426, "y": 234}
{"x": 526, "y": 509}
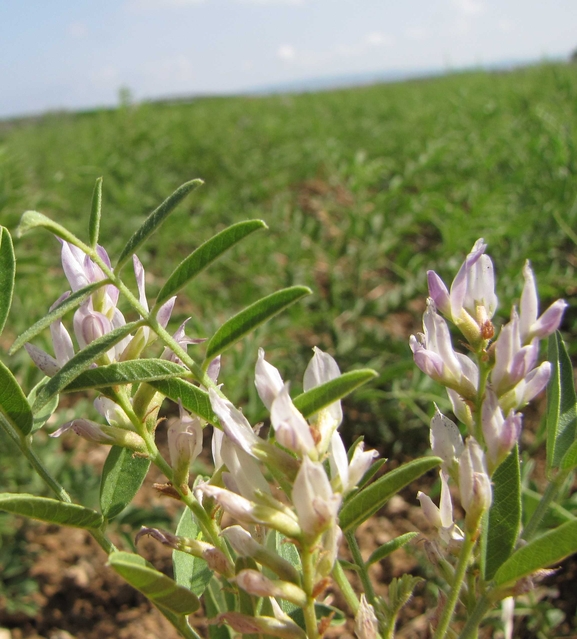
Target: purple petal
{"x": 140, "y": 278}
{"x": 549, "y": 322}
{"x": 165, "y": 311}
{"x": 46, "y": 363}
{"x": 439, "y": 292}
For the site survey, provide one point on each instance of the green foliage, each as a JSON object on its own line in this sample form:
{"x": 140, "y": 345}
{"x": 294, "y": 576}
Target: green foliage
{"x": 192, "y": 397}
{"x": 7, "y": 274}
{"x": 95, "y": 214}
{"x": 189, "y": 571}
{"x": 50, "y": 510}
{"x": 504, "y": 519}
{"x": 561, "y": 408}
{"x": 14, "y": 408}
{"x": 366, "y": 502}
{"x": 122, "y": 476}
{"x": 390, "y": 546}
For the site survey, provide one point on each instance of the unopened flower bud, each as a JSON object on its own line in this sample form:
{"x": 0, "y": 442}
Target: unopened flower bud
{"x": 366, "y": 622}
{"x": 243, "y": 544}
{"x": 246, "y": 624}
{"x": 255, "y": 583}
{"x": 446, "y": 440}
{"x": 500, "y": 434}
{"x": 267, "y": 380}
{"x": 474, "y": 485}
{"x": 102, "y": 434}
{"x": 291, "y": 428}
{"x": 184, "y": 444}
{"x": 316, "y": 504}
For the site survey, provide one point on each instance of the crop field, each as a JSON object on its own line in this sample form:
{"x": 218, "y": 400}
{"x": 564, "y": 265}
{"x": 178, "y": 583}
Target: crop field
{"x": 363, "y": 191}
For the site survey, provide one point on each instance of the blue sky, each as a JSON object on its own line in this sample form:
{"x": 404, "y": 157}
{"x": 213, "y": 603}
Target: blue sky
{"x": 78, "y": 53}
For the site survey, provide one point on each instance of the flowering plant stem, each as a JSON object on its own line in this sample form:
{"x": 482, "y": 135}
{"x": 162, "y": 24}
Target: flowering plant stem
{"x": 308, "y": 565}
{"x": 460, "y": 573}
{"x": 345, "y": 586}
{"x": 363, "y": 572}
{"x": 24, "y": 445}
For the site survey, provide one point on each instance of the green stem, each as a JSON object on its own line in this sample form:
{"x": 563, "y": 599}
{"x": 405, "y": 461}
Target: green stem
{"x": 307, "y": 557}
{"x": 543, "y": 505}
{"x": 460, "y": 572}
{"x": 345, "y": 586}
{"x": 363, "y": 572}
{"x": 52, "y": 483}
{"x": 470, "y": 630}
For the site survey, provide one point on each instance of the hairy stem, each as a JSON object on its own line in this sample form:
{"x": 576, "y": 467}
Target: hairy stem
{"x": 345, "y": 586}
{"x": 307, "y": 557}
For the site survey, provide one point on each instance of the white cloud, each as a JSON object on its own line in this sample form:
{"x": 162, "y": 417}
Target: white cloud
{"x": 77, "y": 30}
{"x": 376, "y": 39}
{"x": 263, "y": 2}
{"x": 154, "y": 5}
{"x": 470, "y": 7}
{"x": 286, "y": 52}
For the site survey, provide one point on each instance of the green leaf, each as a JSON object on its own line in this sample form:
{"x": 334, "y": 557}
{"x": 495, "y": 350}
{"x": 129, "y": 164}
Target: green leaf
{"x": 192, "y": 397}
{"x": 251, "y": 317}
{"x": 159, "y": 588}
{"x": 204, "y": 255}
{"x": 373, "y": 497}
{"x": 155, "y": 219}
{"x": 42, "y": 416}
{"x": 50, "y": 510}
{"x": 122, "y": 476}
{"x": 80, "y": 362}
{"x": 135, "y": 370}
{"x": 7, "y": 274}
{"x": 214, "y": 603}
{"x": 189, "y": 571}
{"x": 561, "y": 403}
{"x": 569, "y": 461}
{"x": 550, "y": 548}
{"x": 324, "y": 395}
{"x": 69, "y": 304}
{"x": 390, "y": 546}
{"x": 13, "y": 403}
{"x": 504, "y": 520}
{"x": 95, "y": 213}
{"x": 32, "y": 219}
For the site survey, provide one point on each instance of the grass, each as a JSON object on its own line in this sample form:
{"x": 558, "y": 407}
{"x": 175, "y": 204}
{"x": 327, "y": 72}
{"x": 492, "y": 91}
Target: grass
{"x": 363, "y": 191}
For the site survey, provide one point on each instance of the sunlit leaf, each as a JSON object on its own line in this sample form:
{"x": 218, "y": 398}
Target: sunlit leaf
{"x": 547, "y": 550}
{"x": 95, "y": 213}
{"x": 193, "y": 398}
{"x": 389, "y": 547}
{"x": 322, "y": 396}
{"x": 252, "y": 317}
{"x": 205, "y": 255}
{"x": 122, "y": 476}
{"x": 189, "y": 571}
{"x": 155, "y": 219}
{"x": 561, "y": 403}
{"x": 32, "y": 219}
{"x": 13, "y": 403}
{"x": 80, "y": 362}
{"x": 159, "y": 588}
{"x": 42, "y": 416}
{"x": 69, "y": 304}
{"x": 7, "y": 273}
{"x": 366, "y": 503}
{"x": 50, "y": 510}
{"x": 504, "y": 520}
{"x": 135, "y": 370}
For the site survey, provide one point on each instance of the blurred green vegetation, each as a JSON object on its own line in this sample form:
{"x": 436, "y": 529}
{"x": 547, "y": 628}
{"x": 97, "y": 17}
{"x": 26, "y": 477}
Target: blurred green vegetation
{"x": 363, "y": 190}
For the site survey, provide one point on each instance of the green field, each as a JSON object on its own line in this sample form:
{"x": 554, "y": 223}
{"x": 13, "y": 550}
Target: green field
{"x": 363, "y": 190}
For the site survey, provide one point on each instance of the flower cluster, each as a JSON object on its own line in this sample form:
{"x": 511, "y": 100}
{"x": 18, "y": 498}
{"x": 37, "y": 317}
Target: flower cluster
{"x": 487, "y": 388}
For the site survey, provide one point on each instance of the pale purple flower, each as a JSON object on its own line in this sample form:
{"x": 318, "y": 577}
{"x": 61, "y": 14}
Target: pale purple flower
{"x": 267, "y": 379}
{"x": 349, "y": 474}
{"x": 322, "y": 369}
{"x": 313, "y": 498}
{"x": 474, "y": 484}
{"x": 441, "y": 517}
{"x": 472, "y": 301}
{"x": 101, "y": 434}
{"x": 366, "y": 622}
{"x": 513, "y": 360}
{"x": 233, "y": 423}
{"x": 247, "y": 478}
{"x": 291, "y": 428}
{"x": 184, "y": 442}
{"x": 527, "y": 389}
{"x": 500, "y": 434}
{"x": 446, "y": 440}
{"x": 531, "y": 325}
{"x": 434, "y": 355}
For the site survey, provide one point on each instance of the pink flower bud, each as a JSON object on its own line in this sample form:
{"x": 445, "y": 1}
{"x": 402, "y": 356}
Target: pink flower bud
{"x": 474, "y": 485}
{"x": 446, "y": 440}
{"x": 500, "y": 434}
{"x": 291, "y": 428}
{"x": 366, "y": 622}
{"x": 233, "y": 422}
{"x": 267, "y": 380}
{"x": 313, "y": 498}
